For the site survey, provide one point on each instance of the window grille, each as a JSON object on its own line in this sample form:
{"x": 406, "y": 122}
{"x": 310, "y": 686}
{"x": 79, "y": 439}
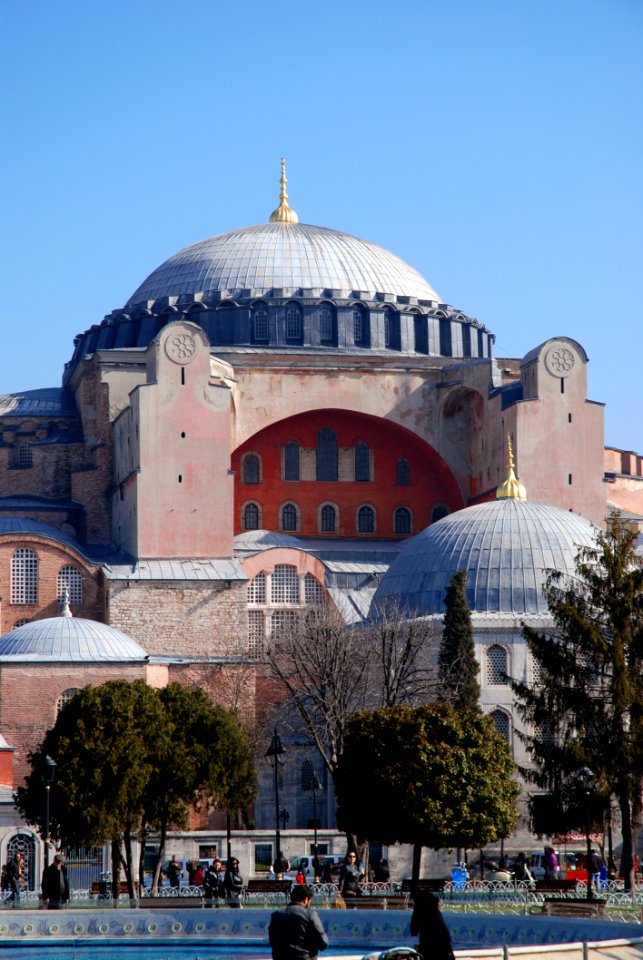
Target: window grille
{"x": 358, "y": 325}
{"x": 24, "y": 454}
{"x": 251, "y": 469}
{"x": 326, "y": 332}
{"x": 19, "y": 623}
{"x": 496, "y": 665}
{"x": 402, "y": 520}
{"x": 313, "y": 592}
{"x": 387, "y": 329}
{"x": 328, "y": 519}
{"x": 362, "y": 463}
{"x": 24, "y": 576}
{"x": 256, "y": 633}
{"x": 293, "y": 323}
{"x": 260, "y": 321}
{"x": 501, "y": 723}
{"x": 289, "y": 517}
{"x": 257, "y": 589}
{"x": 366, "y": 520}
{"x": 70, "y": 579}
{"x": 251, "y": 516}
{"x": 283, "y": 623}
{"x": 65, "y": 697}
{"x": 284, "y": 584}
{"x": 326, "y": 455}
{"x": 291, "y": 461}
{"x": 402, "y": 473}
{"x": 536, "y": 672}
{"x": 438, "y": 513}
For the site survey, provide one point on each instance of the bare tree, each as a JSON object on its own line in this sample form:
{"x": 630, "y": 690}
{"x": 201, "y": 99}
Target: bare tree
{"x": 402, "y": 651}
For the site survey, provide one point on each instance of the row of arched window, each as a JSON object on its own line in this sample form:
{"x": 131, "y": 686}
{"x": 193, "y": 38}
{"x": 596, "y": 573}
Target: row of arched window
{"x": 328, "y": 515}
{"x": 24, "y": 579}
{"x": 327, "y": 463}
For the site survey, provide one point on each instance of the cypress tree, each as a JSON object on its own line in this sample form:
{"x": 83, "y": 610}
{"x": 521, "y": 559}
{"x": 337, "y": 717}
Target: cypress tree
{"x": 457, "y": 665}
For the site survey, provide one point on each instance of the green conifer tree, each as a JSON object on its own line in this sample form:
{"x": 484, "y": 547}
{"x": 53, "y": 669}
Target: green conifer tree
{"x": 457, "y": 665}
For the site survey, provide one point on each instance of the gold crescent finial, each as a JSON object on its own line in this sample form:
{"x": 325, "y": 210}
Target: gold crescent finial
{"x": 512, "y": 488}
{"x": 283, "y": 213}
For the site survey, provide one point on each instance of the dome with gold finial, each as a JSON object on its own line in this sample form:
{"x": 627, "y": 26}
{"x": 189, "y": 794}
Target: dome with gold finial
{"x": 511, "y": 488}
{"x": 283, "y": 213}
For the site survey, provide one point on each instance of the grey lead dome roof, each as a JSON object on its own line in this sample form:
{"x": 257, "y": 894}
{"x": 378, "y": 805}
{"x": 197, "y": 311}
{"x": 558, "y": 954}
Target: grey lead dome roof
{"x": 507, "y": 547}
{"x": 68, "y": 640}
{"x": 283, "y": 255}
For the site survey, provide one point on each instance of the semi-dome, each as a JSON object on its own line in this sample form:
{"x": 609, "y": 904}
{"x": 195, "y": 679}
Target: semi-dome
{"x": 68, "y": 639}
{"x": 283, "y": 255}
{"x": 508, "y": 547}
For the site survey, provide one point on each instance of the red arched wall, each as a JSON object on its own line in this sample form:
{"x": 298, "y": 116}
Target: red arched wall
{"x": 432, "y": 483}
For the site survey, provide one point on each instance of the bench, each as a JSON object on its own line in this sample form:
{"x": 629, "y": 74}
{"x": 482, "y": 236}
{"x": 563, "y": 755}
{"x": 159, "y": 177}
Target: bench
{"x": 561, "y": 907}
{"x": 433, "y": 884}
{"x": 556, "y": 886}
{"x": 377, "y": 901}
{"x": 258, "y": 891}
{"x": 103, "y": 889}
{"x": 171, "y": 903}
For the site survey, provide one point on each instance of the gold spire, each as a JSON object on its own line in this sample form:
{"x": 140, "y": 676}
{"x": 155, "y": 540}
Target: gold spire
{"x": 283, "y": 213}
{"x": 512, "y": 488}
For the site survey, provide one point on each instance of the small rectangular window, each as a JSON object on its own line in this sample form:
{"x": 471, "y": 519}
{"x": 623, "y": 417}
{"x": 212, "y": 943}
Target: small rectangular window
{"x": 263, "y": 857}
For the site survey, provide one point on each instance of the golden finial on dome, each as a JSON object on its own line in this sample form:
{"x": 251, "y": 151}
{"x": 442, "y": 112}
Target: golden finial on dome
{"x": 283, "y": 213}
{"x": 512, "y": 488}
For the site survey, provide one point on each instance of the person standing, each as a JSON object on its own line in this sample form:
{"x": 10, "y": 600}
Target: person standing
{"x": 349, "y": 877}
{"x": 297, "y": 933}
{"x": 55, "y": 885}
{"x": 174, "y": 872}
{"x": 233, "y": 883}
{"x": 15, "y": 868}
{"x": 428, "y": 923}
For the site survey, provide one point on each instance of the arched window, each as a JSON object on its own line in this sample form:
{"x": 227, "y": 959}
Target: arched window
{"x": 496, "y": 665}
{"x": 289, "y": 517}
{"x": 362, "y": 463}
{"x": 257, "y": 589}
{"x": 438, "y": 512}
{"x": 326, "y": 325}
{"x": 23, "y": 452}
{"x": 65, "y": 697}
{"x": 501, "y": 723}
{"x": 360, "y": 327}
{"x": 366, "y": 520}
{"x": 284, "y": 584}
{"x": 307, "y": 774}
{"x": 313, "y": 592}
{"x": 251, "y": 518}
{"x": 402, "y": 520}
{"x": 326, "y": 455}
{"x": 392, "y": 329}
{"x": 293, "y": 323}
{"x": 420, "y": 333}
{"x": 260, "y": 325}
{"x": 291, "y": 461}
{"x": 328, "y": 518}
{"x": 402, "y": 473}
{"x": 70, "y": 579}
{"x": 251, "y": 469}
{"x": 24, "y": 576}
{"x": 19, "y": 623}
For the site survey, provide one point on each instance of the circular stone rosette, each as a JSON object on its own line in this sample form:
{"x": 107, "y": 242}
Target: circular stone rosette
{"x": 79, "y": 928}
{"x": 152, "y": 927}
{"x": 223, "y": 927}
{"x": 200, "y": 927}
{"x": 28, "y": 928}
{"x": 54, "y": 928}
{"x": 176, "y": 927}
{"x": 4, "y": 928}
{"x": 128, "y": 928}
{"x": 103, "y": 928}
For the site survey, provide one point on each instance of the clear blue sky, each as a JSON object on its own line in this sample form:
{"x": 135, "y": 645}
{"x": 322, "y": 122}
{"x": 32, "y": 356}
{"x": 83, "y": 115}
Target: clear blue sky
{"x": 496, "y": 145}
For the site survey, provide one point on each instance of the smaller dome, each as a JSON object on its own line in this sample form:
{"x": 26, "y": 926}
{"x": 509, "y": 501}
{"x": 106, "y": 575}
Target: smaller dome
{"x": 508, "y": 547}
{"x": 68, "y": 640}
{"x": 254, "y": 541}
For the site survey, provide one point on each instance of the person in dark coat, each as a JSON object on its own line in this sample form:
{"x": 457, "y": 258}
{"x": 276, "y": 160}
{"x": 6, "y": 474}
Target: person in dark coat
{"x": 428, "y": 923}
{"x": 174, "y": 872}
{"x": 15, "y": 867}
{"x": 349, "y": 877}
{"x": 296, "y": 933}
{"x": 280, "y": 866}
{"x": 233, "y": 883}
{"x": 55, "y": 885}
{"x": 212, "y": 883}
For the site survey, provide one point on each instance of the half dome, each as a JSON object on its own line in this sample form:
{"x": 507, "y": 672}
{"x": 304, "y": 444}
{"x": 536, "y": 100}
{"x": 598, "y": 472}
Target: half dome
{"x": 508, "y": 547}
{"x": 68, "y": 640}
{"x": 287, "y": 256}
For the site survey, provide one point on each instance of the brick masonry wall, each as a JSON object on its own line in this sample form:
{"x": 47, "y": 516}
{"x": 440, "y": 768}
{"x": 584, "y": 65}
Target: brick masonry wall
{"x": 192, "y": 619}
{"x": 50, "y": 559}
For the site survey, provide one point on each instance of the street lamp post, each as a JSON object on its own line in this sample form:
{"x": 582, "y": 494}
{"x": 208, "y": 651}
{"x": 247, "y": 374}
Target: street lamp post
{"x": 275, "y": 755}
{"x": 315, "y": 785}
{"x": 48, "y": 774}
{"x": 586, "y": 778}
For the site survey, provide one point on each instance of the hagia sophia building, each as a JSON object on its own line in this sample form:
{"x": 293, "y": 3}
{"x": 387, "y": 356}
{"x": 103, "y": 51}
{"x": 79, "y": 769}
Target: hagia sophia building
{"x": 279, "y": 414}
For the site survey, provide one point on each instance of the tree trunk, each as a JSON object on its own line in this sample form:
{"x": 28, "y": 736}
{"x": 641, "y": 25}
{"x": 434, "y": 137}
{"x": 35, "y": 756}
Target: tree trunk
{"x": 417, "y": 859}
{"x": 116, "y": 869}
{"x": 127, "y": 843}
{"x": 627, "y": 857}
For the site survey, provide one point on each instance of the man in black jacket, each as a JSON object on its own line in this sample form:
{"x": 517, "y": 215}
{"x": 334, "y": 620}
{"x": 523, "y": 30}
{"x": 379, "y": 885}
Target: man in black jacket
{"x": 55, "y": 886}
{"x": 296, "y": 933}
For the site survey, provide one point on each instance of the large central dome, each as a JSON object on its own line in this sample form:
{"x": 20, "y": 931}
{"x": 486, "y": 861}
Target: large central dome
{"x": 283, "y": 256}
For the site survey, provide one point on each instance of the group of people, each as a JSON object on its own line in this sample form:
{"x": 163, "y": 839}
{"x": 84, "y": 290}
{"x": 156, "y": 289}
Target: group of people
{"x": 54, "y": 886}
{"x": 219, "y": 883}
{"x": 297, "y": 933}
